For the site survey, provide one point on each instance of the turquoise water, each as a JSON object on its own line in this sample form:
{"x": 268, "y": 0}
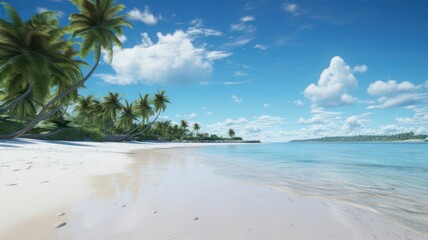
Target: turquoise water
{"x": 389, "y": 178}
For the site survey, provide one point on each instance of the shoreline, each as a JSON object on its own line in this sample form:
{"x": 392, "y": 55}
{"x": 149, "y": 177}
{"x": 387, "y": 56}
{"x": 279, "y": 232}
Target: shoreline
{"x": 161, "y": 189}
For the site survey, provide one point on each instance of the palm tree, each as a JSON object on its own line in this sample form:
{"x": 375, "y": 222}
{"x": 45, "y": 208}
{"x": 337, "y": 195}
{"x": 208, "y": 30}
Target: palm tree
{"x": 84, "y": 107}
{"x": 127, "y": 117}
{"x": 144, "y": 110}
{"x": 97, "y": 24}
{"x": 160, "y": 102}
{"x": 231, "y": 133}
{"x": 183, "y": 127}
{"x": 110, "y": 106}
{"x": 184, "y": 124}
{"x": 32, "y": 55}
{"x": 196, "y": 127}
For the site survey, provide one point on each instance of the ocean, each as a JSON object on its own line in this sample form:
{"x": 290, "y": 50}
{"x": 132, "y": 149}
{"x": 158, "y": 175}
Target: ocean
{"x": 390, "y": 179}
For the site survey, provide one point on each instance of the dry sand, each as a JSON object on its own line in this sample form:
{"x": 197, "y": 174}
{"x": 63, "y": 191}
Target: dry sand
{"x": 119, "y": 191}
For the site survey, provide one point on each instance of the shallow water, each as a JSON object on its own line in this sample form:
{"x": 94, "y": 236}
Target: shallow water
{"x": 389, "y": 178}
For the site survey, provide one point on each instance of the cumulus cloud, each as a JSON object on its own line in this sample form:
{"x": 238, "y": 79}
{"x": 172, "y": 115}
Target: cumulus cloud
{"x": 390, "y": 87}
{"x": 266, "y": 105}
{"x": 236, "y": 99}
{"x": 355, "y": 123}
{"x": 146, "y": 16}
{"x": 173, "y": 59}
{"x": 333, "y": 85}
{"x": 392, "y": 94}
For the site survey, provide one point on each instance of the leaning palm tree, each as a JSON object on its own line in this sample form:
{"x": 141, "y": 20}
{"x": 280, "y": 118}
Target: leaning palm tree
{"x": 160, "y": 102}
{"x": 196, "y": 127}
{"x": 98, "y": 25}
{"x": 127, "y": 117}
{"x": 231, "y": 133}
{"x": 144, "y": 109}
{"x": 32, "y": 55}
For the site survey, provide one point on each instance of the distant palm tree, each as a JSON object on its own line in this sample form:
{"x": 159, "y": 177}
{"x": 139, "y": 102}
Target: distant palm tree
{"x": 144, "y": 108}
{"x": 110, "y": 107}
{"x": 231, "y": 133}
{"x": 196, "y": 127}
{"x": 97, "y": 24}
{"x": 160, "y": 102}
{"x": 127, "y": 117}
{"x": 84, "y": 107}
{"x": 184, "y": 124}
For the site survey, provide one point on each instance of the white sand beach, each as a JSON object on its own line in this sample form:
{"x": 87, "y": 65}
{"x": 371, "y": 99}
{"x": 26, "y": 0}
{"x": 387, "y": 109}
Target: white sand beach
{"x": 87, "y": 190}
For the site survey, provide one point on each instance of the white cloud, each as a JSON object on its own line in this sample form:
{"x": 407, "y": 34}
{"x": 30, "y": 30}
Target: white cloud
{"x": 243, "y": 27}
{"x": 247, "y": 19}
{"x": 390, "y": 87}
{"x": 333, "y": 85}
{"x": 319, "y": 115}
{"x": 355, "y": 123}
{"x": 216, "y": 55}
{"x": 290, "y": 7}
{"x": 260, "y": 46}
{"x": 173, "y": 59}
{"x": 393, "y": 94}
{"x": 240, "y": 41}
{"x": 197, "y": 29}
{"x": 146, "y": 17}
{"x": 42, "y": 9}
{"x": 266, "y": 105}
{"x": 236, "y": 99}
{"x": 360, "y": 68}
{"x": 299, "y": 103}
{"x": 209, "y": 113}
{"x": 420, "y": 116}
{"x": 122, "y": 38}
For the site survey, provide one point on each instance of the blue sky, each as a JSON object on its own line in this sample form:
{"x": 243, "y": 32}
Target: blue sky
{"x": 273, "y": 70}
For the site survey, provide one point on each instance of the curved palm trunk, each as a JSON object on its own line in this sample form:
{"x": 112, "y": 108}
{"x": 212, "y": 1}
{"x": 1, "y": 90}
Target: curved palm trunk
{"x": 13, "y": 135}
{"x": 145, "y": 129}
{"x": 42, "y": 114}
{"x": 18, "y": 99}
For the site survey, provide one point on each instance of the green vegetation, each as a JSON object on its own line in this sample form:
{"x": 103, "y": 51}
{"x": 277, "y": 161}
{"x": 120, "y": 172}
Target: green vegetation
{"x": 369, "y": 138}
{"x": 40, "y": 69}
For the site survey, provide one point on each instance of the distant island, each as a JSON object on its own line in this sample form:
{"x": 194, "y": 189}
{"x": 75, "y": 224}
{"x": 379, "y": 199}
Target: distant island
{"x": 370, "y": 138}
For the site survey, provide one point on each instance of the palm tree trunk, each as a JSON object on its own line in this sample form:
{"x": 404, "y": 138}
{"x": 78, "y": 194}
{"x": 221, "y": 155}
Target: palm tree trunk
{"x": 18, "y": 99}
{"x": 42, "y": 114}
{"x": 13, "y": 135}
{"x": 145, "y": 129}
